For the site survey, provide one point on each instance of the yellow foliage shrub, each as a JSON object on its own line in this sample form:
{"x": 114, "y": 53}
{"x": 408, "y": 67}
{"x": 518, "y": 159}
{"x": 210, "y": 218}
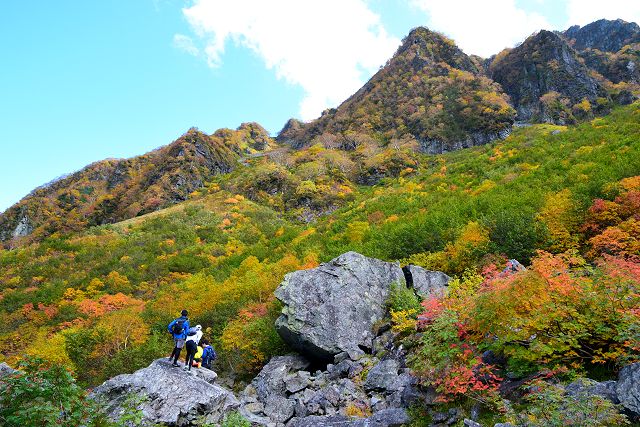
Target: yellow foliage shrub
{"x": 403, "y": 321}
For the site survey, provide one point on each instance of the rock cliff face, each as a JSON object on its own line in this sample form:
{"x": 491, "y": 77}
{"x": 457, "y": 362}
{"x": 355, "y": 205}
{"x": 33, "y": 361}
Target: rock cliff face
{"x": 332, "y": 308}
{"x": 604, "y": 35}
{"x": 544, "y": 64}
{"x": 171, "y": 396}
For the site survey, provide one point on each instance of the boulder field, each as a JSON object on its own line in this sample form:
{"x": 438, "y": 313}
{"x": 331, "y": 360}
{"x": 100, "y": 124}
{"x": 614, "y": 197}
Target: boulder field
{"x": 349, "y": 370}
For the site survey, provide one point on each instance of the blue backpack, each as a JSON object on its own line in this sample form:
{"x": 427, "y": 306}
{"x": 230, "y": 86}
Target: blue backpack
{"x": 208, "y": 354}
{"x": 178, "y": 326}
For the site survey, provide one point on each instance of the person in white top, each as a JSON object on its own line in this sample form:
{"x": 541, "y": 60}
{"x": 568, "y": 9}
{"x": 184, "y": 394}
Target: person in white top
{"x": 193, "y": 338}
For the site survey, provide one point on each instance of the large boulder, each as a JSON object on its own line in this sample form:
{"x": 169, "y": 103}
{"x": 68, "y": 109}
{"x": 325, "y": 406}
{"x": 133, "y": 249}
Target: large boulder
{"x": 276, "y": 376}
{"x": 426, "y": 283}
{"x": 171, "y": 396}
{"x": 332, "y": 308}
{"x": 589, "y": 387}
{"x": 383, "y": 376}
{"x": 628, "y": 388}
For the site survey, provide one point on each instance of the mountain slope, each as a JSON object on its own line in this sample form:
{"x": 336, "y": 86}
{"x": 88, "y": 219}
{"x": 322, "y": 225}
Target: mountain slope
{"x": 69, "y": 297}
{"x": 117, "y": 189}
{"x": 429, "y": 91}
{"x": 429, "y": 97}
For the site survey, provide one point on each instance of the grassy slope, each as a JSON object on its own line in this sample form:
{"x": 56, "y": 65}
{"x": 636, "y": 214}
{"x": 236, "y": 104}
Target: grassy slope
{"x": 199, "y": 253}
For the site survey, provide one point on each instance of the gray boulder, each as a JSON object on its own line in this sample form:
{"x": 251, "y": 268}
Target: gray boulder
{"x": 628, "y": 388}
{"x": 272, "y": 379}
{"x": 298, "y": 381}
{"x": 332, "y": 308}
{"x": 383, "y": 376}
{"x": 6, "y": 370}
{"x": 173, "y": 396}
{"x": 279, "y": 409}
{"x": 426, "y": 283}
{"x": 586, "y": 386}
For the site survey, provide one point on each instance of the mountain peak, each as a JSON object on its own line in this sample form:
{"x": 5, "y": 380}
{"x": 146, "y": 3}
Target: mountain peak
{"x": 425, "y": 47}
{"x": 427, "y": 92}
{"x": 604, "y": 35}
{"x": 545, "y": 64}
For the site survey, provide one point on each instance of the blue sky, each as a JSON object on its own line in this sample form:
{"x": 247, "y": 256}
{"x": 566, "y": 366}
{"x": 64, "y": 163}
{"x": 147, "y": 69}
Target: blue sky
{"x": 86, "y": 80}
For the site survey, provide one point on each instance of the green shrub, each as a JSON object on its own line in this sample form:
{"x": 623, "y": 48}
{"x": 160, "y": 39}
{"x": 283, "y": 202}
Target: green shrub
{"x": 549, "y": 406}
{"x": 402, "y": 298}
{"x": 234, "y": 419}
{"x": 45, "y": 395}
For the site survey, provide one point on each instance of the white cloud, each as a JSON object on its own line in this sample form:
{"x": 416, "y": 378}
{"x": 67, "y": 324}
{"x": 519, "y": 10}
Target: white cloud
{"x": 481, "y": 27}
{"x": 185, "y": 43}
{"x": 327, "y": 47}
{"x": 583, "y": 12}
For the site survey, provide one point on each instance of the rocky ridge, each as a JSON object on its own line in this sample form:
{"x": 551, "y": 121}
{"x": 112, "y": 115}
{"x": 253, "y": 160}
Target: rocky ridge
{"x": 117, "y": 189}
{"x": 604, "y": 35}
{"x": 429, "y": 97}
{"x": 543, "y": 64}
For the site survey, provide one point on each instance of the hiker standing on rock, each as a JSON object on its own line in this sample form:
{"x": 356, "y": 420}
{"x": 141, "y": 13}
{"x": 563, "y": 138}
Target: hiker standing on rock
{"x": 193, "y": 338}
{"x": 178, "y": 329}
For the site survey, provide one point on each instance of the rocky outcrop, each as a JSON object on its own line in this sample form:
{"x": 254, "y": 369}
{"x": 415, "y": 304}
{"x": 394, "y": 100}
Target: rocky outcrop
{"x": 23, "y": 228}
{"x": 171, "y": 396}
{"x": 628, "y": 388}
{"x": 625, "y": 391}
{"x": 286, "y": 394}
{"x": 544, "y": 64}
{"x": 586, "y": 386}
{"x": 6, "y": 370}
{"x": 332, "y": 308}
{"x": 474, "y": 139}
{"x": 426, "y": 283}
{"x": 604, "y": 35}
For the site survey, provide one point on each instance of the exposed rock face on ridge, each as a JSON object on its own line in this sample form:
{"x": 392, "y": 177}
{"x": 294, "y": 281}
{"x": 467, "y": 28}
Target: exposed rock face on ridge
{"x": 174, "y": 397}
{"x": 474, "y": 139}
{"x": 543, "y": 64}
{"x": 332, "y": 308}
{"x": 604, "y": 35}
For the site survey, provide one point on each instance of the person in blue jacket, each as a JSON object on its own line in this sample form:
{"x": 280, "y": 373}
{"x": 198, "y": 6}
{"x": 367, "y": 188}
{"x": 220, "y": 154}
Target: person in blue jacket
{"x": 208, "y": 354}
{"x": 178, "y": 329}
